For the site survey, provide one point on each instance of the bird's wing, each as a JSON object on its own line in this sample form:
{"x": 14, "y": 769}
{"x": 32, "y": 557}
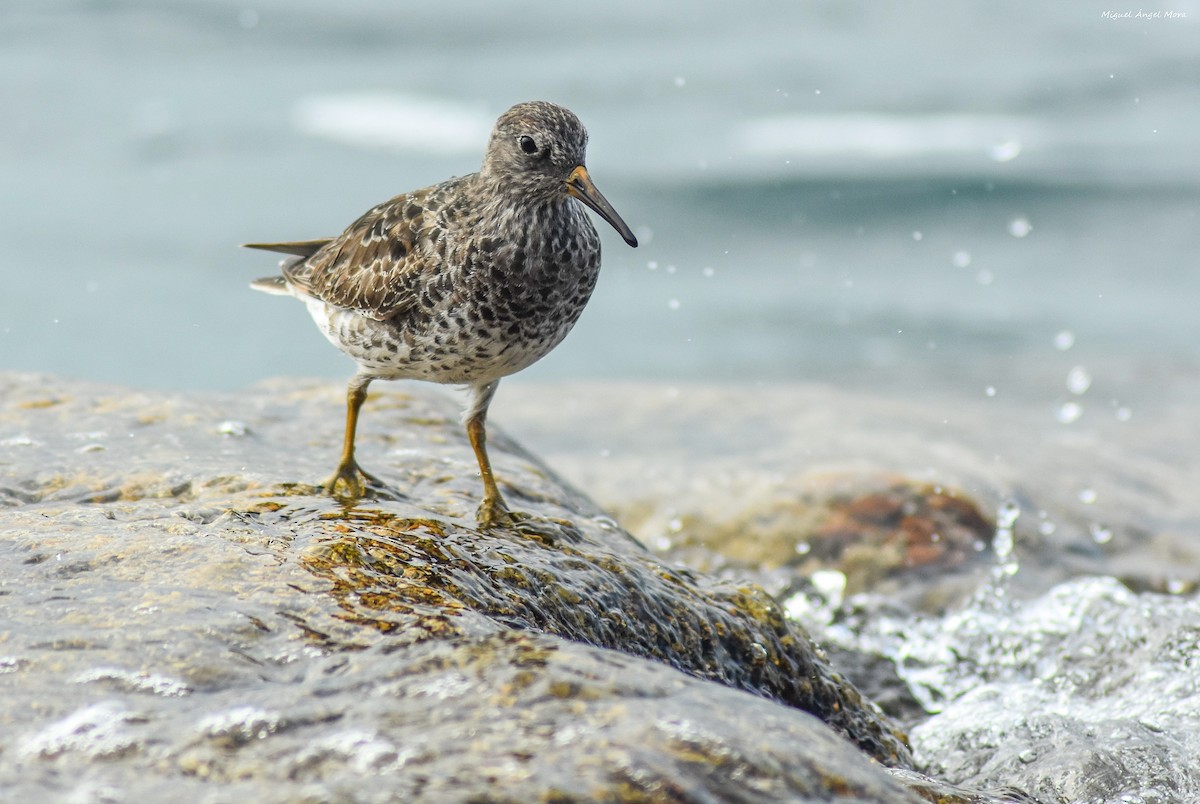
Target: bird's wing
{"x": 378, "y": 265}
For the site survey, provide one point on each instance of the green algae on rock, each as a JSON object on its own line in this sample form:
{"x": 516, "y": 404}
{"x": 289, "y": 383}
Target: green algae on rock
{"x": 181, "y": 606}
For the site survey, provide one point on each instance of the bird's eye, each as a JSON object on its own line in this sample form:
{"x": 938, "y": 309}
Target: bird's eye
{"x": 527, "y": 144}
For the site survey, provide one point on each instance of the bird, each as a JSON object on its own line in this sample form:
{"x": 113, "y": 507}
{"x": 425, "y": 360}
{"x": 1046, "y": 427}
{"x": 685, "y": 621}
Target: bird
{"x": 463, "y": 282}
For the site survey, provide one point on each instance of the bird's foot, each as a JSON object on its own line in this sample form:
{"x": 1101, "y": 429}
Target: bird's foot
{"x": 356, "y": 481}
{"x": 493, "y": 513}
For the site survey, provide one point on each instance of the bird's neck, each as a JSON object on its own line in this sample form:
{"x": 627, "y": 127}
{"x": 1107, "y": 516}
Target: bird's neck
{"x": 516, "y": 211}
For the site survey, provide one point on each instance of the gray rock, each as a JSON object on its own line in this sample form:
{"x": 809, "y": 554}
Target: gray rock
{"x": 182, "y": 607}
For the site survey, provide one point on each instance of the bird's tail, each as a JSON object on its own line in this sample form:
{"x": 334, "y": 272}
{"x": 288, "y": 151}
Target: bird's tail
{"x": 275, "y": 285}
{"x": 300, "y": 251}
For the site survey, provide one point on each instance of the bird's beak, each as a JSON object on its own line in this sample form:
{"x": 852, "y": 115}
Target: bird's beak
{"x": 579, "y": 184}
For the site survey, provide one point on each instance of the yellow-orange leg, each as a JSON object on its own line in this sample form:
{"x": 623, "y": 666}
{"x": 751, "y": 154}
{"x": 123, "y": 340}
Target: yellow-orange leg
{"x": 492, "y": 511}
{"x": 348, "y": 470}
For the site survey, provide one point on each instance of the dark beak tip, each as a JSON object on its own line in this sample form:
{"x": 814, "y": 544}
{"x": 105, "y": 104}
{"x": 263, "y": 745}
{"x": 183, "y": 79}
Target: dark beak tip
{"x": 632, "y": 241}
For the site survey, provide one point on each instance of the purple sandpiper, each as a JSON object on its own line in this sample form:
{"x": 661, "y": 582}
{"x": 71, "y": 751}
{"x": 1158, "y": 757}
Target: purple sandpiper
{"x": 464, "y": 282}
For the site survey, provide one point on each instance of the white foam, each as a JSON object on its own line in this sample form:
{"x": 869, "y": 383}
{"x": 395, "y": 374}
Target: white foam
{"x": 97, "y": 730}
{"x": 884, "y": 136}
{"x": 388, "y": 120}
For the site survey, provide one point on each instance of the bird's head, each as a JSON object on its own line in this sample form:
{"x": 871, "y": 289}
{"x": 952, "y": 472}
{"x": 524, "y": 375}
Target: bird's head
{"x": 538, "y": 150}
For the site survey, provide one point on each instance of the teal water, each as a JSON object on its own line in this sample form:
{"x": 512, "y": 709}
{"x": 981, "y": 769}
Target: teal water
{"x": 916, "y": 199}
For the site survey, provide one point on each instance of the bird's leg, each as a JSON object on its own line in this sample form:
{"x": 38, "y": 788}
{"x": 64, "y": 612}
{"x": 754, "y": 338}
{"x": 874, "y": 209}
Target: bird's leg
{"x": 348, "y": 470}
{"x": 492, "y": 511}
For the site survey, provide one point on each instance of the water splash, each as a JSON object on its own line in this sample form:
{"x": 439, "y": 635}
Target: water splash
{"x": 1064, "y": 340}
{"x": 1005, "y": 151}
{"x": 1050, "y": 688}
{"x": 1079, "y": 380}
{"x": 1019, "y": 227}
{"x": 1069, "y": 412}
{"x": 1003, "y": 542}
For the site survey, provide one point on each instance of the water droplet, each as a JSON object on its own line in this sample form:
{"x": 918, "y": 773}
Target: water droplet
{"x": 1100, "y": 533}
{"x": 708, "y": 271}
{"x": 816, "y": 92}
{"x": 798, "y": 607}
{"x": 1078, "y": 380}
{"x": 1002, "y": 540}
{"x": 1175, "y": 586}
{"x": 1087, "y": 496}
{"x": 1069, "y": 412}
{"x": 961, "y": 259}
{"x": 830, "y": 583}
{"x": 917, "y": 236}
{"x": 1005, "y": 151}
{"x": 1047, "y": 528}
{"x": 1007, "y": 514}
{"x": 984, "y": 277}
{"x": 803, "y": 548}
{"x": 675, "y": 525}
{"x": 231, "y": 427}
{"x": 1124, "y": 414}
{"x": 680, "y": 81}
{"x": 990, "y": 390}
{"x": 1064, "y": 340}
{"x": 644, "y": 235}
{"x": 671, "y": 269}
{"x": 673, "y": 304}
{"x": 652, "y": 265}
{"x": 1019, "y": 227}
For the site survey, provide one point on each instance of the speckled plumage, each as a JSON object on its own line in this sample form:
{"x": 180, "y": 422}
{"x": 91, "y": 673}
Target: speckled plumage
{"x": 463, "y": 282}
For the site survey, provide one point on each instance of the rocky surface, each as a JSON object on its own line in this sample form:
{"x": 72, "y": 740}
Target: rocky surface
{"x": 182, "y": 607}
{"x": 764, "y": 466}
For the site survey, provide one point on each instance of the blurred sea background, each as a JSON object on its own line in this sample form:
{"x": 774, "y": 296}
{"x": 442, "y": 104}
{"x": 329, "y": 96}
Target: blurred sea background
{"x": 929, "y": 200}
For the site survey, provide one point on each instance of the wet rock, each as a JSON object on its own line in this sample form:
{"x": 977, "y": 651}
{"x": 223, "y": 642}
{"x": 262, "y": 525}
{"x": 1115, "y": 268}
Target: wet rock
{"x": 183, "y": 606}
{"x": 880, "y": 532}
{"x": 1099, "y": 497}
